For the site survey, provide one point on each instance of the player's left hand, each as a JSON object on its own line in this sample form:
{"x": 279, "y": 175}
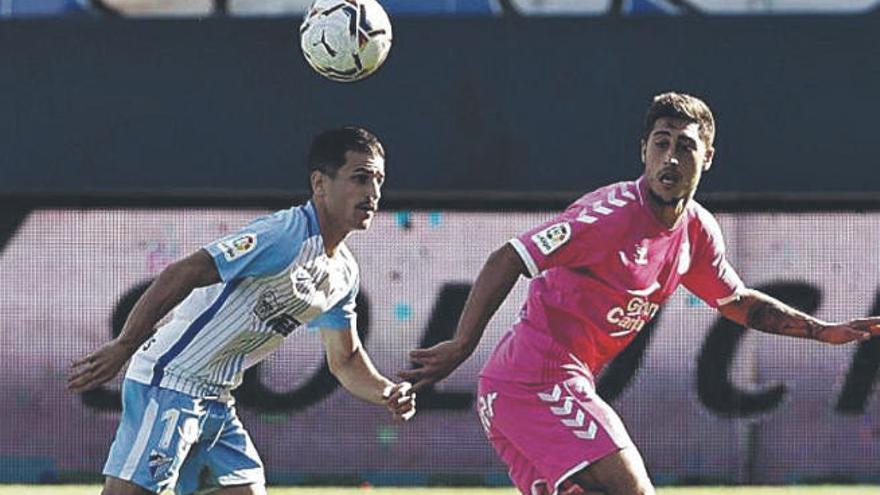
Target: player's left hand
{"x": 436, "y": 363}
{"x": 400, "y": 400}
{"x": 858, "y": 330}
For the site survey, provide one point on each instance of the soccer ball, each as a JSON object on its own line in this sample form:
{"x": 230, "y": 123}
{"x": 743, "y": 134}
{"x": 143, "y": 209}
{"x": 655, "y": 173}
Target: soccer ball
{"x": 345, "y": 40}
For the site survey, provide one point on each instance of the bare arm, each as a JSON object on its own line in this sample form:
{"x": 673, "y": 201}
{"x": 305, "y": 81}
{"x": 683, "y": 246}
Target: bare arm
{"x": 167, "y": 291}
{"x": 350, "y": 364}
{"x": 493, "y": 284}
{"x": 757, "y": 310}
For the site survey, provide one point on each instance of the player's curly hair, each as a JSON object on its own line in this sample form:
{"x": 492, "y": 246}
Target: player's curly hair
{"x": 681, "y": 106}
{"x": 327, "y": 151}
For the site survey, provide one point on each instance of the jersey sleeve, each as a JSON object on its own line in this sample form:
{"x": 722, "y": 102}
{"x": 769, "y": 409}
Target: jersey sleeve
{"x": 339, "y": 317}
{"x": 569, "y": 239}
{"x": 710, "y": 276}
{"x": 263, "y": 247}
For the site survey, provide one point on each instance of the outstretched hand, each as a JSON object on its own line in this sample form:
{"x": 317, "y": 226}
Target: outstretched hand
{"x": 437, "y": 363}
{"x": 859, "y": 329}
{"x": 400, "y": 400}
{"x": 97, "y": 367}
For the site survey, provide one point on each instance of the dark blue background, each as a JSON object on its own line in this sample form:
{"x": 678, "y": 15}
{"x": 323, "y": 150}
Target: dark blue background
{"x": 463, "y": 104}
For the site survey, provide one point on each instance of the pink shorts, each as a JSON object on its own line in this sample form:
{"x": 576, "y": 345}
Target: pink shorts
{"x": 547, "y": 432}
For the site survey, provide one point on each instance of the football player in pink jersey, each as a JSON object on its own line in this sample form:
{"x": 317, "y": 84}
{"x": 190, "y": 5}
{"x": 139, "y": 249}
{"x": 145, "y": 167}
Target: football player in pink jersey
{"x": 600, "y": 271}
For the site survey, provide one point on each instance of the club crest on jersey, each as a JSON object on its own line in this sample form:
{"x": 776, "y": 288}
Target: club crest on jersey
{"x": 640, "y": 254}
{"x": 234, "y": 247}
{"x": 641, "y": 257}
{"x": 549, "y": 239}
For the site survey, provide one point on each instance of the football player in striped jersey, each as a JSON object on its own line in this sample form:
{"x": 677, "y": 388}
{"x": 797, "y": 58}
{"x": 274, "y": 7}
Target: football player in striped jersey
{"x": 234, "y": 301}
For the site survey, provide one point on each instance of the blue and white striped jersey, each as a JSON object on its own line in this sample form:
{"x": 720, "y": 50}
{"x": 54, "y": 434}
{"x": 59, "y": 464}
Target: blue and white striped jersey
{"x": 276, "y": 277}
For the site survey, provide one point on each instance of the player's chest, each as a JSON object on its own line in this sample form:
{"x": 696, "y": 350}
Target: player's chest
{"x": 308, "y": 288}
{"x": 647, "y": 266}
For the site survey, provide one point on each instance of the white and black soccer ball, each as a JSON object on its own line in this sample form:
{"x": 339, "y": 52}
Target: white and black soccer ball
{"x": 345, "y": 40}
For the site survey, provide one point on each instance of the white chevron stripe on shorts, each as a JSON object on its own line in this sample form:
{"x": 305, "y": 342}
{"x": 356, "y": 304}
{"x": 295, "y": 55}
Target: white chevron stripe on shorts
{"x": 564, "y": 411}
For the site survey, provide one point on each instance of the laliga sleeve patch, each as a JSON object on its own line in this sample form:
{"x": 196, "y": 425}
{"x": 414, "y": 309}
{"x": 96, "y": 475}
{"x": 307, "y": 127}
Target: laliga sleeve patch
{"x": 237, "y": 246}
{"x": 549, "y": 239}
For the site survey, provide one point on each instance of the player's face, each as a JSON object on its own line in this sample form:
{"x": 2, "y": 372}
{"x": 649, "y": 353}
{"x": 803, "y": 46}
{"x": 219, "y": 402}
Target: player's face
{"x": 675, "y": 158}
{"x": 352, "y": 197}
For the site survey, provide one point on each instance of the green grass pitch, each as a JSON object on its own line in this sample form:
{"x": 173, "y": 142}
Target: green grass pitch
{"x": 751, "y": 490}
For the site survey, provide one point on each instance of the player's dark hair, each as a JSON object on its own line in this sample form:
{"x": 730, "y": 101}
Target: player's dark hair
{"x": 328, "y": 149}
{"x": 681, "y": 106}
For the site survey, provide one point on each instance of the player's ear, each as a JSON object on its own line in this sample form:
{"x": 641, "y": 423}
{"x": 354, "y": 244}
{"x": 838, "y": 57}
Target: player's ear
{"x": 710, "y": 153}
{"x": 317, "y": 180}
{"x": 642, "y": 150}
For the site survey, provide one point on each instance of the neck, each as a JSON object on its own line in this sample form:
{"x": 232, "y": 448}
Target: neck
{"x": 666, "y": 211}
{"x": 332, "y": 233}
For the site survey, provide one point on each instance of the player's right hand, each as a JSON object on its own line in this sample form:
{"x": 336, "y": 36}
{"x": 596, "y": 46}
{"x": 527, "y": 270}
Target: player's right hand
{"x": 436, "y": 362}
{"x": 97, "y": 367}
{"x": 400, "y": 400}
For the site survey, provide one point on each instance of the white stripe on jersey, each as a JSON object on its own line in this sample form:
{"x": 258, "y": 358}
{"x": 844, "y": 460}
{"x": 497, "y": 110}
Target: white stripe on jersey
{"x": 523, "y": 253}
{"x": 200, "y": 351}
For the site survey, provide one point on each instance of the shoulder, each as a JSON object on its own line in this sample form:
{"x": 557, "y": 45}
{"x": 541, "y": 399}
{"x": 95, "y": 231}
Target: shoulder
{"x": 348, "y": 260}
{"x": 703, "y": 222}
{"x": 348, "y": 267}
{"x": 288, "y": 229}
{"x": 281, "y": 236}
{"x": 606, "y": 208}
{"x": 300, "y": 220}
{"x": 616, "y": 195}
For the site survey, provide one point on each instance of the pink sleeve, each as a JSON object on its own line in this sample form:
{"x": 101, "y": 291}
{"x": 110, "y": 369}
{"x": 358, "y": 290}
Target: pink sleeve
{"x": 711, "y": 277}
{"x": 563, "y": 241}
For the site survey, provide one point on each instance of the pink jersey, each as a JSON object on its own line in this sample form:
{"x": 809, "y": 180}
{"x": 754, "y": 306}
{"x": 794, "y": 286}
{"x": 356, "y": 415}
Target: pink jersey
{"x": 601, "y": 270}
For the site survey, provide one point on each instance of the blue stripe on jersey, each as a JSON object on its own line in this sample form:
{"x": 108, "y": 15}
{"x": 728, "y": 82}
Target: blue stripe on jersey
{"x": 190, "y": 333}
